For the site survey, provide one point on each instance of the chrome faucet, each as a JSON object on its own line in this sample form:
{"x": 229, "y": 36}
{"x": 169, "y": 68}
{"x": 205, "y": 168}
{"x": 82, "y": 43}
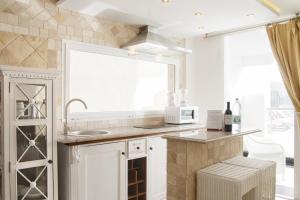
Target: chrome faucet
{"x": 66, "y": 127}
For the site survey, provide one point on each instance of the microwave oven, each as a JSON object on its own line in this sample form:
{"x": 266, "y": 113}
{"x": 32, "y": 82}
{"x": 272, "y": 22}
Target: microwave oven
{"x": 181, "y": 114}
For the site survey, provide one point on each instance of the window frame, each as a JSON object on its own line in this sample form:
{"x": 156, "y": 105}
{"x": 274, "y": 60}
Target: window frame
{"x": 68, "y": 45}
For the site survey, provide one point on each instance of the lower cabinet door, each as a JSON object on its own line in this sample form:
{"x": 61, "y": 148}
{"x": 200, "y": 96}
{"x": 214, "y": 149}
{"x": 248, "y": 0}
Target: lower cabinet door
{"x": 101, "y": 172}
{"x": 157, "y": 168}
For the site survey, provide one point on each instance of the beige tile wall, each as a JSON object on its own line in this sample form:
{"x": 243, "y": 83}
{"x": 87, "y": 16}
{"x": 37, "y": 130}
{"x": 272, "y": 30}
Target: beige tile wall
{"x": 26, "y": 50}
{"x": 44, "y": 20}
{"x": 186, "y": 158}
{"x": 31, "y": 36}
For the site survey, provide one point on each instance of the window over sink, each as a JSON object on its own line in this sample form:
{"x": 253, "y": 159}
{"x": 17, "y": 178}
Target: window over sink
{"x": 114, "y": 82}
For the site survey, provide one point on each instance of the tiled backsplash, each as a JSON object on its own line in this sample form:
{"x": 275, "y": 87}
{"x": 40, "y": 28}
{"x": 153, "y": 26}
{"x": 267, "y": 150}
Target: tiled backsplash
{"x": 31, "y": 36}
{"x": 104, "y": 124}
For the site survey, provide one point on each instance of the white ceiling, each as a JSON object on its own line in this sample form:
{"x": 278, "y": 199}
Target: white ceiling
{"x": 178, "y": 18}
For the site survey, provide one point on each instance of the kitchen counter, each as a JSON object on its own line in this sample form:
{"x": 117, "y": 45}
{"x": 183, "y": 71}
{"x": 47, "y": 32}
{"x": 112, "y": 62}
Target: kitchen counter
{"x": 191, "y": 151}
{"x": 123, "y": 133}
{"x": 204, "y": 136}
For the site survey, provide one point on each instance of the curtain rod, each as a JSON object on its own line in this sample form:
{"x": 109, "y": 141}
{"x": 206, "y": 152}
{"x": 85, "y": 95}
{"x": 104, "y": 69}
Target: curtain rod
{"x": 209, "y": 35}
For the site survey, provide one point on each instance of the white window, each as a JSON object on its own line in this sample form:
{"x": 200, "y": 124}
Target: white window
{"x": 113, "y": 83}
{"x": 253, "y": 76}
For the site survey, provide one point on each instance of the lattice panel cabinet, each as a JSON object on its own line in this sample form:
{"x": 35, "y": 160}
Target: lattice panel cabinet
{"x": 28, "y": 163}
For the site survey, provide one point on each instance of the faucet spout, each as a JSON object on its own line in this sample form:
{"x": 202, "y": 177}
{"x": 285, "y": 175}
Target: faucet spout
{"x": 66, "y": 127}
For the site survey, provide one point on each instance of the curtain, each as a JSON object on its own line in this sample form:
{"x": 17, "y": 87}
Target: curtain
{"x": 285, "y": 43}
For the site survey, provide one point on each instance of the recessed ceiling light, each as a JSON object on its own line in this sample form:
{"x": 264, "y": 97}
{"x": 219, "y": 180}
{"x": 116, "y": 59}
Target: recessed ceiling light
{"x": 198, "y": 13}
{"x": 250, "y": 15}
{"x": 166, "y": 1}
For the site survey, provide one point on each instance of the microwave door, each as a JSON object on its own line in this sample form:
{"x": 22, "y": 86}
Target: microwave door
{"x": 187, "y": 114}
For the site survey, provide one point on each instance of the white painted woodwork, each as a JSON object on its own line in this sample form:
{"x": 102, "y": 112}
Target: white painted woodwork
{"x": 11, "y": 165}
{"x": 101, "y": 172}
{"x": 157, "y": 169}
{"x": 92, "y": 172}
{"x": 136, "y": 148}
{"x": 15, "y": 164}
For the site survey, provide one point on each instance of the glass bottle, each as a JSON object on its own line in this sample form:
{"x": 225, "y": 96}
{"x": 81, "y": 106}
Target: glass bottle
{"x": 237, "y": 109}
{"x": 228, "y": 119}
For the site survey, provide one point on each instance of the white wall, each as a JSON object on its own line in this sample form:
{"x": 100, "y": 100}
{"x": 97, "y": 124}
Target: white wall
{"x": 205, "y": 74}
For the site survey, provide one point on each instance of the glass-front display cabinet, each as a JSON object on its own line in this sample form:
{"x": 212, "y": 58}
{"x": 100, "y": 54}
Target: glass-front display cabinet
{"x": 28, "y": 166}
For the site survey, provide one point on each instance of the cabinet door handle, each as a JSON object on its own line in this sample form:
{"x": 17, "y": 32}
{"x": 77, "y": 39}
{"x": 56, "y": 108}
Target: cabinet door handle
{"x": 137, "y": 148}
{"x": 50, "y": 161}
{"x": 151, "y": 148}
{"x": 123, "y": 153}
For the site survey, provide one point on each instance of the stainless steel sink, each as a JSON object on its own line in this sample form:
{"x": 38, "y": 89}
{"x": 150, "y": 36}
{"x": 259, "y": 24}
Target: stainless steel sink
{"x": 88, "y": 133}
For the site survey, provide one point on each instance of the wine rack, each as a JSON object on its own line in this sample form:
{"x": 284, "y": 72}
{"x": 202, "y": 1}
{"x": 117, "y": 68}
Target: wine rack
{"x": 137, "y": 179}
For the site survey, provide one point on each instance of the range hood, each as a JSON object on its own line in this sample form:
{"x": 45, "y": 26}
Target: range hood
{"x": 147, "y": 41}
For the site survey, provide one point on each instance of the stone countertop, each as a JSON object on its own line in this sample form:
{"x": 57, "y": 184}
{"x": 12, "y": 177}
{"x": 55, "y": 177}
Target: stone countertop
{"x": 124, "y": 133}
{"x": 204, "y": 136}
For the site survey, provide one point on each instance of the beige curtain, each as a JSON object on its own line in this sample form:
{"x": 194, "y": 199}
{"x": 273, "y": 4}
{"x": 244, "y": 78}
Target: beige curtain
{"x": 285, "y": 42}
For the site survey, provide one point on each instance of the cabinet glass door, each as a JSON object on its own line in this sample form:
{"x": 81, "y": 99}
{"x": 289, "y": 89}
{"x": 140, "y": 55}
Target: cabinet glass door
{"x": 31, "y": 139}
{"x": 32, "y": 183}
{"x": 31, "y": 143}
{"x": 31, "y": 102}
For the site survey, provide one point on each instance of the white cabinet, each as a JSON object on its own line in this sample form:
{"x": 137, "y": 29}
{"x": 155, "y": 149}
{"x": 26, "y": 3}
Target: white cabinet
{"x": 28, "y": 142}
{"x": 97, "y": 173}
{"x": 101, "y": 172}
{"x": 157, "y": 168}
